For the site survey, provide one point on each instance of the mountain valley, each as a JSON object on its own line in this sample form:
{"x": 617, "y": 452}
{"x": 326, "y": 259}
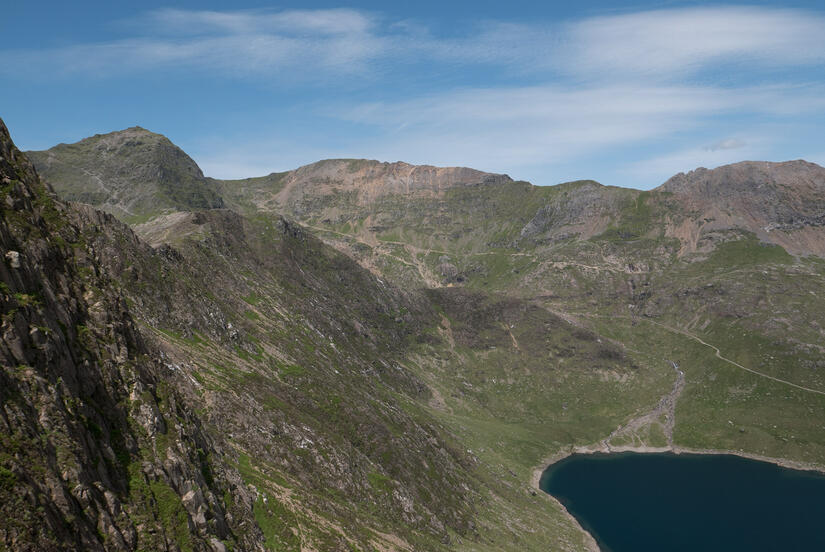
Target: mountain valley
{"x": 358, "y": 355}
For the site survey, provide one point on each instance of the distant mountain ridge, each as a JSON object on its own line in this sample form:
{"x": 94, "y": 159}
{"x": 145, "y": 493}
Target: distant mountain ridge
{"x": 137, "y": 175}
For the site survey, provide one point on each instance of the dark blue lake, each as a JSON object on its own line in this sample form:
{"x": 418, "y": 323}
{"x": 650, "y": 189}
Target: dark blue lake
{"x": 672, "y": 502}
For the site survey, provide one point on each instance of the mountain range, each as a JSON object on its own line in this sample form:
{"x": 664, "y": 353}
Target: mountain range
{"x": 358, "y": 355}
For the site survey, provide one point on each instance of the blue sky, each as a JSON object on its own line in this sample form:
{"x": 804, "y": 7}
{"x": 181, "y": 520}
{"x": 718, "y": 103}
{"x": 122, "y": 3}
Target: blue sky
{"x": 542, "y": 91}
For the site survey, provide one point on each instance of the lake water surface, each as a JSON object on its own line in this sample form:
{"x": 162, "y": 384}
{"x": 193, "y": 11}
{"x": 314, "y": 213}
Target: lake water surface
{"x": 671, "y": 502}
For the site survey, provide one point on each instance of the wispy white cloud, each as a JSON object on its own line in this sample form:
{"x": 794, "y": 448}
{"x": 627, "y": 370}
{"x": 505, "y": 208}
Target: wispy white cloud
{"x": 541, "y": 132}
{"x": 221, "y": 56}
{"x": 678, "y": 42}
{"x": 552, "y": 123}
{"x": 320, "y": 22}
{"x": 662, "y": 44}
{"x": 678, "y": 76}
{"x": 726, "y": 144}
{"x": 304, "y": 45}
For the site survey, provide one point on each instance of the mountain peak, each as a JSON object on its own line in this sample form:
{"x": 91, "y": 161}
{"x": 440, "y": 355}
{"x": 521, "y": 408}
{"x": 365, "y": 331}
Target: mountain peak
{"x": 12, "y": 161}
{"x": 116, "y": 137}
{"x": 747, "y": 176}
{"x": 780, "y": 203}
{"x": 373, "y": 179}
{"x": 133, "y": 173}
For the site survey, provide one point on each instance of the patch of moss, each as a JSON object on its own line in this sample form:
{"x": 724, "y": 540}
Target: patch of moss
{"x": 172, "y": 515}
{"x": 26, "y": 300}
{"x": 7, "y": 479}
{"x": 156, "y": 500}
{"x": 252, "y": 315}
{"x": 276, "y": 523}
{"x": 252, "y": 299}
{"x": 748, "y": 251}
{"x": 291, "y": 370}
{"x": 379, "y": 482}
{"x": 634, "y": 220}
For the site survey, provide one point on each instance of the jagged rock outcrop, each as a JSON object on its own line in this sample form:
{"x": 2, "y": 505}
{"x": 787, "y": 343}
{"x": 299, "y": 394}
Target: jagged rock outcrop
{"x": 96, "y": 450}
{"x": 781, "y": 203}
{"x": 245, "y": 370}
{"x": 773, "y": 191}
{"x": 582, "y": 210}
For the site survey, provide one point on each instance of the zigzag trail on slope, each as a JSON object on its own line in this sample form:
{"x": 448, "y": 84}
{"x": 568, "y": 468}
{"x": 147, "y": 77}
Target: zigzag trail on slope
{"x": 422, "y": 268}
{"x": 666, "y": 406}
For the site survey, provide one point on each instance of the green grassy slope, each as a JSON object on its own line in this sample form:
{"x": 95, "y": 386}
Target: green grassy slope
{"x": 472, "y": 327}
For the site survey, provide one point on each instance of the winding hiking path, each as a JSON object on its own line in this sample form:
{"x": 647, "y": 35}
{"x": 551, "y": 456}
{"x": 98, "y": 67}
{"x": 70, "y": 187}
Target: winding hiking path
{"x": 716, "y": 350}
{"x": 513, "y": 337}
{"x": 432, "y": 280}
{"x": 422, "y": 268}
{"x": 729, "y": 361}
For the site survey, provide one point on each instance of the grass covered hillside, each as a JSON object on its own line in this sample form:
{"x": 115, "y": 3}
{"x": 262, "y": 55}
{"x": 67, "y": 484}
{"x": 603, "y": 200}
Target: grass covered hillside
{"x": 378, "y": 356}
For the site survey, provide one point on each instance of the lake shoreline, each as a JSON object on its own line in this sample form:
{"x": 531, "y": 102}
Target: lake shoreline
{"x": 601, "y": 448}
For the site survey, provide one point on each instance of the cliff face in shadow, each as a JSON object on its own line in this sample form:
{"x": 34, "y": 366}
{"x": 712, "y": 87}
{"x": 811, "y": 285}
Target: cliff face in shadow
{"x": 97, "y": 451}
{"x": 230, "y": 390}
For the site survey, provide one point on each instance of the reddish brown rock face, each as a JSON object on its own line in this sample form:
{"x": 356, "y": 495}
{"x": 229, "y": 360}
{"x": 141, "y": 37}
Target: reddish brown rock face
{"x": 782, "y": 203}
